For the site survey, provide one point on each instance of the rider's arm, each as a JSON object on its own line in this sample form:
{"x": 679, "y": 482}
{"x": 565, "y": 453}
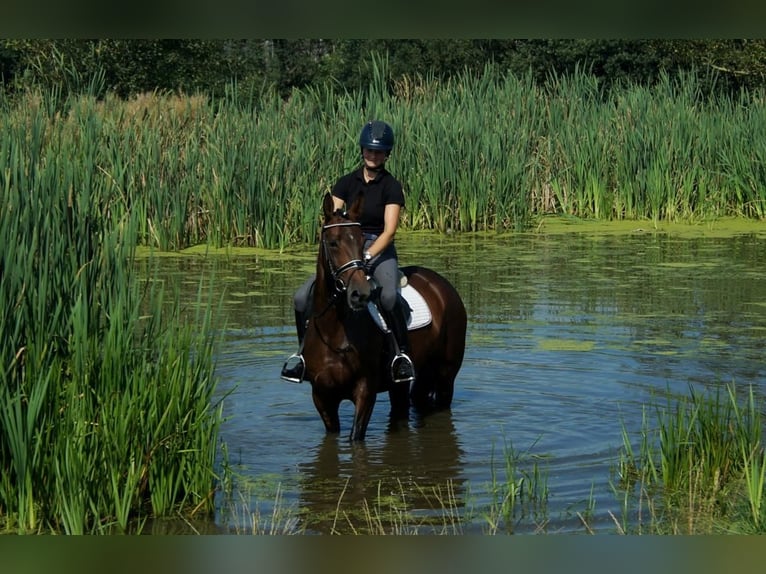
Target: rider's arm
{"x": 390, "y": 224}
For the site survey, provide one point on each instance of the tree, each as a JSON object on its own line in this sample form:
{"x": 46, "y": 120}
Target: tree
{"x": 182, "y": 65}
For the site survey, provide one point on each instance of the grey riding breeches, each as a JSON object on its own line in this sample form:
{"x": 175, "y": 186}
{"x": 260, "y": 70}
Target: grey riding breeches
{"x": 385, "y": 272}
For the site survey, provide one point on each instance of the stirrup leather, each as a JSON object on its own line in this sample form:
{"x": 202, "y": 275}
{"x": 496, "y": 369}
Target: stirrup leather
{"x": 295, "y": 373}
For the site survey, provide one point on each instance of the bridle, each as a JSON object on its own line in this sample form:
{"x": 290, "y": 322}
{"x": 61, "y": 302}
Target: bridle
{"x": 336, "y": 273}
{"x": 355, "y": 264}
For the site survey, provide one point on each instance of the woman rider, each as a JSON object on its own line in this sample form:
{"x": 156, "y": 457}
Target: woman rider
{"x": 383, "y": 200}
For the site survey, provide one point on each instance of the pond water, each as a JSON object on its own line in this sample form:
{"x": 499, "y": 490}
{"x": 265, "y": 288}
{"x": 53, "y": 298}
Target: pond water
{"x": 570, "y": 337}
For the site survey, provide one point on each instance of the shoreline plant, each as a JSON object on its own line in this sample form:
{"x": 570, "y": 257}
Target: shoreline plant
{"x": 107, "y": 410}
{"x": 698, "y": 470}
{"x": 107, "y": 415}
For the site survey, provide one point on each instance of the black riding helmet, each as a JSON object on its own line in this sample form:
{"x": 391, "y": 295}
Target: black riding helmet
{"x": 377, "y": 135}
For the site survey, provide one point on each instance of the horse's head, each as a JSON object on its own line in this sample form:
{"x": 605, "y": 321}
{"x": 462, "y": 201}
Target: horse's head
{"x": 342, "y": 243}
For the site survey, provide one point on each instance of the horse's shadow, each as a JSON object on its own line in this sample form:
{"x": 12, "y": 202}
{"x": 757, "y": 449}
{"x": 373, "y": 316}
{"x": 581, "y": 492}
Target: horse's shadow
{"x": 409, "y": 481}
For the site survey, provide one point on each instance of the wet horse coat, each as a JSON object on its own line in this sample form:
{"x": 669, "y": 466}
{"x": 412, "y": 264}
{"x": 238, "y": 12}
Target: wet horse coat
{"x": 347, "y": 355}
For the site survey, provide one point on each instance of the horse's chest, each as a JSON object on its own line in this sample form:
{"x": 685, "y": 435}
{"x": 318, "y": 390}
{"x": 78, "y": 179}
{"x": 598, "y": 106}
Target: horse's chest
{"x": 345, "y": 355}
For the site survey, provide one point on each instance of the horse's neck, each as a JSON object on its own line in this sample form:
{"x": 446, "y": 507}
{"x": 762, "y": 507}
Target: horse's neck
{"x": 328, "y": 321}
{"x": 329, "y": 308}
{"x": 325, "y": 299}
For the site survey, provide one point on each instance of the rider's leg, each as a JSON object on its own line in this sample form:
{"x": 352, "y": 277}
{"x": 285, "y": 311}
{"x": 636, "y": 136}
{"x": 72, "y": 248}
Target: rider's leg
{"x": 301, "y": 301}
{"x": 387, "y": 275}
{"x": 300, "y": 325}
{"x": 402, "y": 368}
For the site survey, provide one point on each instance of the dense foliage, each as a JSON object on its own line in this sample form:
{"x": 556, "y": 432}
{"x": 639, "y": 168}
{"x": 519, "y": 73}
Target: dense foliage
{"x": 129, "y": 67}
{"x": 106, "y": 387}
{"x": 476, "y": 152}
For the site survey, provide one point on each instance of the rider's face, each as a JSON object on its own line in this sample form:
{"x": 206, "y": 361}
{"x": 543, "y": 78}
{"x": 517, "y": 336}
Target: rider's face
{"x": 374, "y": 157}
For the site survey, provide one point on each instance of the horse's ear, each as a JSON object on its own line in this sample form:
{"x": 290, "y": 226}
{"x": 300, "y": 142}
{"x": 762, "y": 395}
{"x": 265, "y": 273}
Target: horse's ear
{"x": 327, "y": 206}
{"x": 356, "y": 208}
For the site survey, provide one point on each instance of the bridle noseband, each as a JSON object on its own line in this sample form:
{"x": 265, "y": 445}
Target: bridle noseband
{"x": 340, "y": 285}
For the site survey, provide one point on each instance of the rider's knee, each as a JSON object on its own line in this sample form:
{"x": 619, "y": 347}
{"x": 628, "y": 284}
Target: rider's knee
{"x": 388, "y": 299}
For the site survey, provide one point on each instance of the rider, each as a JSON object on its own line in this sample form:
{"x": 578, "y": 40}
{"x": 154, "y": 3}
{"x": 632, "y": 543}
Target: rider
{"x": 384, "y": 198}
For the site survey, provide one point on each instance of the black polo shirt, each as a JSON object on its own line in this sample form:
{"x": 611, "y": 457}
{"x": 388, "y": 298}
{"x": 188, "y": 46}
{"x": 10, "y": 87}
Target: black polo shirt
{"x": 378, "y": 193}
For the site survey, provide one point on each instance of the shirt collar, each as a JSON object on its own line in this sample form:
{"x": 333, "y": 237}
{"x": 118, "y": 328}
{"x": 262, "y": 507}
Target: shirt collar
{"x": 378, "y": 176}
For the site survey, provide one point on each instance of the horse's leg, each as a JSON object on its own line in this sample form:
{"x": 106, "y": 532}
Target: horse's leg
{"x": 420, "y": 394}
{"x": 449, "y": 368}
{"x": 327, "y": 407}
{"x": 444, "y": 391}
{"x": 364, "y": 401}
{"x": 399, "y": 396}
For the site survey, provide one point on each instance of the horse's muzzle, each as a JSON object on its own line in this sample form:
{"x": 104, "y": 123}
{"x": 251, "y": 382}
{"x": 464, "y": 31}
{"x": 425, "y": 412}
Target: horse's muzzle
{"x": 357, "y": 297}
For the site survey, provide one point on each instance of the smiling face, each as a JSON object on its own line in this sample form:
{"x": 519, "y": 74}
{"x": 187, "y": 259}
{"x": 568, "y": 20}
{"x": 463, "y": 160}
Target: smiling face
{"x": 374, "y": 159}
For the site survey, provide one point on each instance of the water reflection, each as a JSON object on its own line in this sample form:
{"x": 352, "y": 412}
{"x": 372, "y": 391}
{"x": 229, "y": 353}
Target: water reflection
{"x": 348, "y": 487}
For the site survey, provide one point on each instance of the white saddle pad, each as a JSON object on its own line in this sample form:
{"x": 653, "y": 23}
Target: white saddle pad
{"x": 420, "y": 316}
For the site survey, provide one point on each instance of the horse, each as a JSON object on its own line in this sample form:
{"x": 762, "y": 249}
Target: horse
{"x": 345, "y": 350}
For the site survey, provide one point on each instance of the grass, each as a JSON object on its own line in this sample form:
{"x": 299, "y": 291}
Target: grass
{"x": 488, "y": 151}
{"x": 698, "y": 470}
{"x": 106, "y": 411}
{"x": 518, "y": 491}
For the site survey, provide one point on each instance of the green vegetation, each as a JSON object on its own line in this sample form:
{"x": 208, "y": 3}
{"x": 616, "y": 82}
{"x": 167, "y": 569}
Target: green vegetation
{"x": 106, "y": 410}
{"x": 522, "y": 491}
{"x": 478, "y": 152}
{"x": 517, "y": 491}
{"x": 133, "y": 66}
{"x": 699, "y": 470}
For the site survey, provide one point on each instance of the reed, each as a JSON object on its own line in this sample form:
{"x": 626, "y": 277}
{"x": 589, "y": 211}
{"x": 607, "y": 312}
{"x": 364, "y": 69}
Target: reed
{"x": 480, "y": 151}
{"x": 106, "y": 411}
{"x": 105, "y": 383}
{"x": 700, "y": 468}
{"x": 520, "y": 493}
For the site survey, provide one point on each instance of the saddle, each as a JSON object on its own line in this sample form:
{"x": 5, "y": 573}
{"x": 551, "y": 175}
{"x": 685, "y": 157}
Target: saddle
{"x": 415, "y": 307}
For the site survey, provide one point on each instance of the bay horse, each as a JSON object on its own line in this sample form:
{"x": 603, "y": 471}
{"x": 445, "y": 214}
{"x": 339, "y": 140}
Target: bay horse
{"x": 346, "y": 352}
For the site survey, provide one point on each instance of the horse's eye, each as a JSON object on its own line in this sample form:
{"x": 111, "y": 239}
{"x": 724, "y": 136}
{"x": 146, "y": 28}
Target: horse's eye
{"x": 333, "y": 244}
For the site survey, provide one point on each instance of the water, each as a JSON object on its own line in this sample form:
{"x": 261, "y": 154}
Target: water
{"x": 569, "y": 338}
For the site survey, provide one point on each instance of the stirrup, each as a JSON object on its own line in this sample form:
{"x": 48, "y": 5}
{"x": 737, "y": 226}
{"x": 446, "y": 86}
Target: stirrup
{"x": 402, "y": 369}
{"x": 295, "y": 373}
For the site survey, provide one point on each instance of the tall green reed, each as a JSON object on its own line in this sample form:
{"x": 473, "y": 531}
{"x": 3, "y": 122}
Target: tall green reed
{"x": 700, "y": 464}
{"x": 521, "y": 492}
{"x": 480, "y": 151}
{"x": 106, "y": 411}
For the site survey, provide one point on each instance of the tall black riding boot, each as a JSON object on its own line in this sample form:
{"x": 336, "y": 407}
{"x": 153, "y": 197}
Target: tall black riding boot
{"x": 294, "y": 374}
{"x": 402, "y": 368}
